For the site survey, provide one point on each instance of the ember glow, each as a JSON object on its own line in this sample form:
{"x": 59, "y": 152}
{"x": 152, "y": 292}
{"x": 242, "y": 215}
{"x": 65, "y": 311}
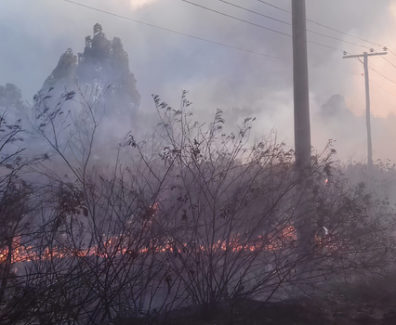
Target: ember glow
{"x": 115, "y": 246}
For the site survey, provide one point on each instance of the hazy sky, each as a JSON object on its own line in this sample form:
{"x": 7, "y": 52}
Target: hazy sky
{"x": 36, "y": 32}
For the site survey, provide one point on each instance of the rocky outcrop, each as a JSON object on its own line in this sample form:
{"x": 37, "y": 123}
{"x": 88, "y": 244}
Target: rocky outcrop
{"x": 100, "y": 71}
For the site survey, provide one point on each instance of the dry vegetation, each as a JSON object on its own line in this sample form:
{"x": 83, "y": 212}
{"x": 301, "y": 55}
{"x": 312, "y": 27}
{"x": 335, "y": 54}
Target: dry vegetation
{"x": 190, "y": 221}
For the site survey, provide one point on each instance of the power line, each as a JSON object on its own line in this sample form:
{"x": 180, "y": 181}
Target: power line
{"x": 390, "y": 62}
{"x": 273, "y": 6}
{"x": 256, "y": 12}
{"x": 325, "y": 26}
{"x": 336, "y": 38}
{"x": 253, "y": 24}
{"x": 238, "y": 19}
{"x": 376, "y": 71}
{"x": 378, "y": 86}
{"x": 344, "y": 33}
{"x": 323, "y": 45}
{"x": 383, "y": 76}
{"x": 225, "y": 45}
{"x": 391, "y": 52}
{"x": 171, "y": 30}
{"x": 288, "y": 23}
{"x": 373, "y": 69}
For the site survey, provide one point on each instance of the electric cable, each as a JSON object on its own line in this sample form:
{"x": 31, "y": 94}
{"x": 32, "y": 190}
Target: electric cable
{"x": 76, "y": 3}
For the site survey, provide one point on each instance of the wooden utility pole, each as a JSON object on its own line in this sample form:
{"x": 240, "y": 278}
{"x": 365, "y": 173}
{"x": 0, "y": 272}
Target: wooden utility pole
{"x": 365, "y": 57}
{"x": 302, "y": 129}
{"x": 302, "y": 136}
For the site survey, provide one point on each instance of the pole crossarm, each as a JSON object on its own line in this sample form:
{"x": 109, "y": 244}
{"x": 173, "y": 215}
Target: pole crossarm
{"x": 363, "y": 55}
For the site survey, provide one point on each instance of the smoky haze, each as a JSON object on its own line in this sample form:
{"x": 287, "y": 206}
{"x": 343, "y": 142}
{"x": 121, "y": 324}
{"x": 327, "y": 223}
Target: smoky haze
{"x": 240, "y": 83}
{"x": 147, "y": 170}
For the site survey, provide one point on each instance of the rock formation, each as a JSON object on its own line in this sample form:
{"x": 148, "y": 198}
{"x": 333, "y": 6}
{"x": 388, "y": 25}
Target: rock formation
{"x": 101, "y": 71}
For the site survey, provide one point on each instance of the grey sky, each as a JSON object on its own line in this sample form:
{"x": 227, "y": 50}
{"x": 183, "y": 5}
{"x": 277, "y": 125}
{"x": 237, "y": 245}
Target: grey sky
{"x": 36, "y": 32}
